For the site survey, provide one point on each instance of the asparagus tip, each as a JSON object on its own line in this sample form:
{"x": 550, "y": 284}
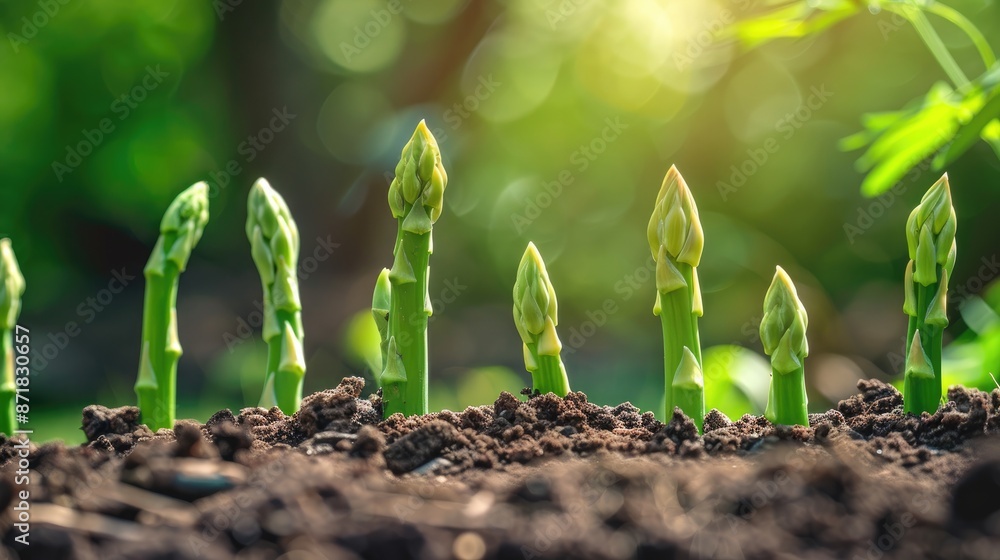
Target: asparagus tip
{"x": 783, "y": 328}
{"x": 675, "y": 224}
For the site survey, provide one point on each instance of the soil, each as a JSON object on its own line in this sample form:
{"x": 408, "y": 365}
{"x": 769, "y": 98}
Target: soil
{"x": 546, "y": 478}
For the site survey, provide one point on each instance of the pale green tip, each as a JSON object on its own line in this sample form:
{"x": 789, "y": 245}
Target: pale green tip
{"x": 274, "y": 245}
{"x": 675, "y": 225}
{"x": 11, "y": 286}
{"x": 382, "y": 296}
{"x": 917, "y": 364}
{"x": 783, "y": 328}
{"x": 181, "y": 228}
{"x": 394, "y": 370}
{"x": 930, "y": 233}
{"x": 688, "y": 374}
{"x": 535, "y": 309}
{"x": 417, "y": 192}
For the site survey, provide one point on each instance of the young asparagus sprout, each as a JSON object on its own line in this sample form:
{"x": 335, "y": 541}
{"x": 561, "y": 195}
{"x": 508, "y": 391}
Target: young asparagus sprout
{"x": 783, "y": 332}
{"x": 416, "y": 198}
{"x": 274, "y": 245}
{"x": 676, "y": 241}
{"x": 180, "y": 230}
{"x": 11, "y": 290}
{"x": 536, "y": 315}
{"x": 381, "y": 300}
{"x": 930, "y": 240}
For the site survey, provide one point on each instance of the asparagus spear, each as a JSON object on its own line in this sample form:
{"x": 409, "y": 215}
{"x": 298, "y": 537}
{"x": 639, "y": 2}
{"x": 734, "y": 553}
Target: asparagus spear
{"x": 783, "y": 332}
{"x": 180, "y": 230}
{"x": 416, "y": 198}
{"x": 536, "y": 315}
{"x": 11, "y": 290}
{"x": 930, "y": 240}
{"x": 274, "y": 245}
{"x": 676, "y": 241}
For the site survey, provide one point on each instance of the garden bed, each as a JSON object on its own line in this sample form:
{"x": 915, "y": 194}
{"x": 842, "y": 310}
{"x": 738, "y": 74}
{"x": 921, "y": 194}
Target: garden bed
{"x": 546, "y": 478}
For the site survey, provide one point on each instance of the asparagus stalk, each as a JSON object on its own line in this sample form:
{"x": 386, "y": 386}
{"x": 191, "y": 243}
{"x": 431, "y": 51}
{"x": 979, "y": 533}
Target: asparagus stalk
{"x": 381, "y": 300}
{"x": 180, "y": 230}
{"x": 274, "y": 244}
{"x": 676, "y": 241}
{"x": 11, "y": 290}
{"x": 930, "y": 240}
{"x": 783, "y": 332}
{"x": 536, "y": 315}
{"x": 416, "y": 198}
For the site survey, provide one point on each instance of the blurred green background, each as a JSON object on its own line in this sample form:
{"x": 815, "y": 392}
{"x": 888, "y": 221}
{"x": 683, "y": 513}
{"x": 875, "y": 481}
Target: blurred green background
{"x": 557, "y": 121}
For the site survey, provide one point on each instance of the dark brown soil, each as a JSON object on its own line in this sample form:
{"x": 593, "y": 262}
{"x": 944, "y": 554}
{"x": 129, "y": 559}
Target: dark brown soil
{"x": 547, "y": 478}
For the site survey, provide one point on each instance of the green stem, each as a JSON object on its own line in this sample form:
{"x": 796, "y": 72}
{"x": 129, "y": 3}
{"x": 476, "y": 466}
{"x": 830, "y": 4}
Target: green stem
{"x": 160, "y": 348}
{"x": 922, "y": 394}
{"x": 408, "y": 323}
{"x": 960, "y": 21}
{"x": 933, "y": 41}
{"x": 788, "y": 403}
{"x": 680, "y": 329}
{"x": 550, "y": 377}
{"x": 282, "y": 388}
{"x": 692, "y": 401}
{"x": 8, "y": 388}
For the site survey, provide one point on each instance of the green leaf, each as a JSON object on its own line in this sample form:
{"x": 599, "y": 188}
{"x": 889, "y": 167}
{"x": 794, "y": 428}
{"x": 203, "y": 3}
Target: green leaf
{"x": 972, "y": 131}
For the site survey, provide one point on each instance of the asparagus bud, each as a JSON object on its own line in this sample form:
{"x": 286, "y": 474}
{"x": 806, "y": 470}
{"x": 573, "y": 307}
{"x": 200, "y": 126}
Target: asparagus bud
{"x": 689, "y": 388}
{"x": 930, "y": 241}
{"x": 416, "y": 199}
{"x": 274, "y": 246}
{"x": 676, "y": 241}
{"x": 180, "y": 230}
{"x": 783, "y": 333}
{"x": 11, "y": 289}
{"x": 536, "y": 315}
{"x": 381, "y": 300}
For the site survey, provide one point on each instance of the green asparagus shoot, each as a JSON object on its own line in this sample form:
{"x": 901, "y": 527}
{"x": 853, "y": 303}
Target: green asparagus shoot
{"x": 11, "y": 290}
{"x": 180, "y": 230}
{"x": 783, "y": 333}
{"x": 536, "y": 315}
{"x": 381, "y": 300}
{"x": 274, "y": 245}
{"x": 416, "y": 198}
{"x": 676, "y": 241}
{"x": 930, "y": 240}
